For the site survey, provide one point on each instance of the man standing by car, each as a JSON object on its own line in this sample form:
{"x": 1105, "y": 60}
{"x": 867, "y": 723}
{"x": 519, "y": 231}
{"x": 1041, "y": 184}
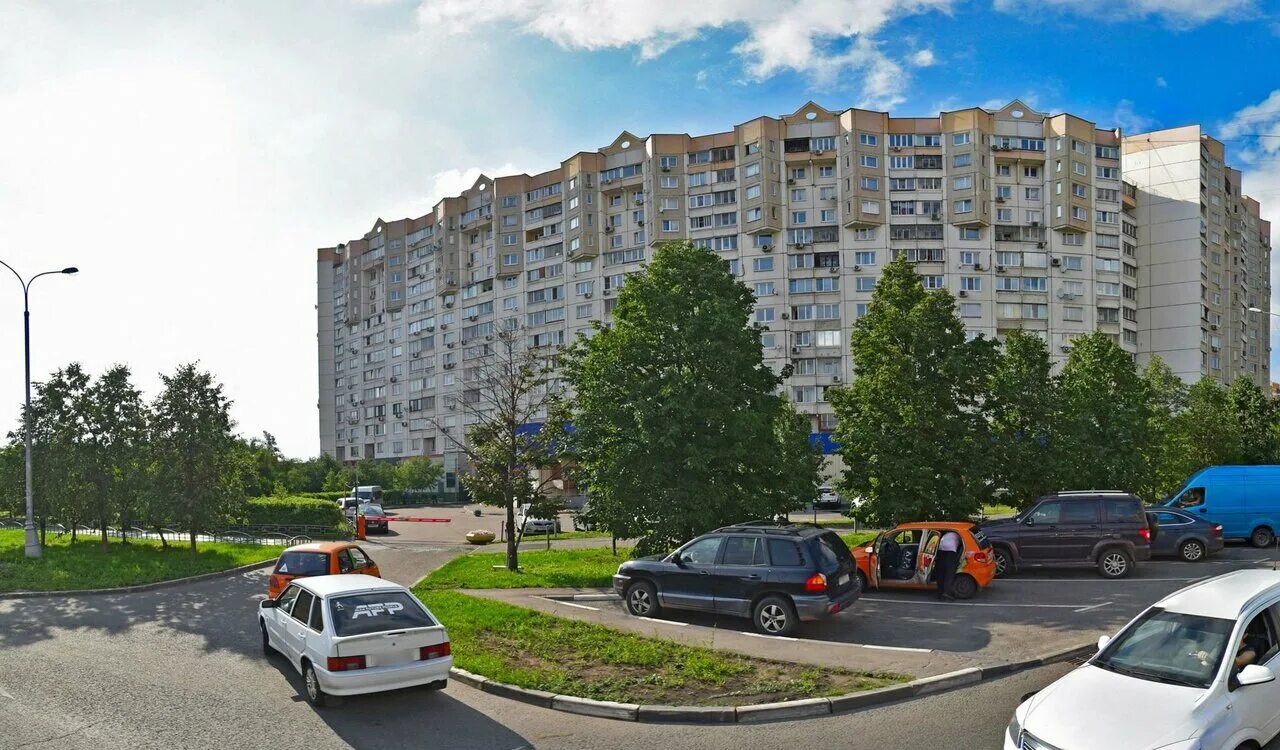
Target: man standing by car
{"x": 946, "y": 563}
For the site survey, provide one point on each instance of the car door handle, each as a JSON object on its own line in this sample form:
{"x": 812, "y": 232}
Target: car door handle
{"x": 753, "y": 577}
{"x": 705, "y": 572}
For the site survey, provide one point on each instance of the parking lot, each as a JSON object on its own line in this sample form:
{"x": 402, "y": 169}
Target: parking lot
{"x": 1023, "y": 617}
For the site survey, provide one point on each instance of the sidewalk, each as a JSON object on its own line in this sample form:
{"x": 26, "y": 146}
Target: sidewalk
{"x": 732, "y": 634}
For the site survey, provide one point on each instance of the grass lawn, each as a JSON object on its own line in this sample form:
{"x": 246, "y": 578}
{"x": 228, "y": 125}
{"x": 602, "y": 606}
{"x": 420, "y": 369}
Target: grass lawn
{"x": 998, "y": 510}
{"x": 530, "y": 538}
{"x": 83, "y": 565}
{"x": 860, "y": 539}
{"x": 587, "y": 567}
{"x": 530, "y": 649}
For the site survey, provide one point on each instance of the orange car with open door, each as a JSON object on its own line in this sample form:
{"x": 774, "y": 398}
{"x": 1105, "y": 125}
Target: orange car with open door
{"x": 903, "y": 558}
{"x": 319, "y": 559}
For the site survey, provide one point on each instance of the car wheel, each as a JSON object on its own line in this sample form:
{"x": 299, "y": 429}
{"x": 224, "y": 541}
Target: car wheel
{"x": 775, "y": 616}
{"x": 267, "y": 648}
{"x": 642, "y": 599}
{"x": 1262, "y": 537}
{"x": 964, "y": 586}
{"x": 1004, "y": 563}
{"x": 1191, "y": 550}
{"x": 311, "y": 687}
{"x": 1114, "y": 563}
{"x": 863, "y": 583}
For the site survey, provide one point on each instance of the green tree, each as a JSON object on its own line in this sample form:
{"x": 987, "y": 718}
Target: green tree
{"x": 1105, "y": 430}
{"x": 1166, "y": 400}
{"x": 1254, "y": 413}
{"x": 510, "y": 459}
{"x": 1206, "y": 432}
{"x": 909, "y": 427}
{"x": 1022, "y": 408}
{"x": 197, "y": 460}
{"x": 797, "y": 464}
{"x": 347, "y": 477}
{"x": 418, "y": 473}
{"x": 115, "y": 424}
{"x": 309, "y": 475}
{"x": 677, "y": 427}
{"x": 60, "y": 486}
{"x": 263, "y": 465}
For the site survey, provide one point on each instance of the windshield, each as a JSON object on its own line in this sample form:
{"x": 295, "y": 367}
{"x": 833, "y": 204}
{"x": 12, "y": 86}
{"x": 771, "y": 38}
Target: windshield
{"x": 303, "y": 563}
{"x": 1169, "y": 647}
{"x": 372, "y": 510}
{"x": 377, "y": 612}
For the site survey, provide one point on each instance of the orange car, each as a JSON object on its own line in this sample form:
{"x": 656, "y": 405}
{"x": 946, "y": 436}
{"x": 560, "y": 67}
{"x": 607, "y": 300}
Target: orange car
{"x": 319, "y": 559}
{"x": 903, "y": 558}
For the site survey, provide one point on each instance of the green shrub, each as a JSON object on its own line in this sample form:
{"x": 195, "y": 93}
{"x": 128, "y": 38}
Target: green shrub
{"x": 293, "y": 511}
{"x": 324, "y": 495}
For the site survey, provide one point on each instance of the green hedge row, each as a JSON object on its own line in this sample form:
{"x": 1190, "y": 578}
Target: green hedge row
{"x": 391, "y": 497}
{"x": 293, "y": 511}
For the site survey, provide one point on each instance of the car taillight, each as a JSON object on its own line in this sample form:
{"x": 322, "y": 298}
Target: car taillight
{"x": 345, "y": 663}
{"x": 817, "y": 583}
{"x": 980, "y": 557}
{"x": 435, "y": 652}
{"x": 1145, "y": 534}
{"x": 1217, "y": 530}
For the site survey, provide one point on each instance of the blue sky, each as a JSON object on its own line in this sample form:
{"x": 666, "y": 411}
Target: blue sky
{"x": 190, "y": 157}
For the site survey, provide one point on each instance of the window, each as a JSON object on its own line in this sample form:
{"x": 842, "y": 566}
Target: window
{"x": 1079, "y": 213}
{"x": 762, "y": 264}
{"x": 901, "y": 162}
{"x": 962, "y": 183}
{"x": 865, "y": 283}
{"x": 870, "y": 183}
{"x": 1008, "y": 284}
{"x": 962, "y": 160}
{"x": 301, "y": 610}
{"x": 1073, "y": 314}
{"x": 669, "y": 181}
{"x": 1031, "y": 172}
{"x": 1073, "y": 262}
{"x": 970, "y": 233}
{"x": 871, "y": 207}
{"x": 932, "y": 282}
{"x": 959, "y": 139}
{"x": 784, "y": 553}
{"x": 1108, "y": 289}
{"x": 1035, "y": 284}
{"x": 871, "y": 139}
{"x": 799, "y": 217}
{"x": 1108, "y": 173}
{"x": 765, "y": 289}
{"x": 827, "y": 338}
{"x": 1079, "y": 511}
{"x": 864, "y": 258}
{"x": 1106, "y": 264}
{"x": 971, "y": 283}
{"x": 670, "y": 225}
{"x": 743, "y": 550}
{"x": 764, "y": 315}
{"x": 702, "y": 551}
{"x": 1047, "y": 513}
{"x": 971, "y": 309}
{"x": 868, "y": 161}
{"x": 964, "y": 206}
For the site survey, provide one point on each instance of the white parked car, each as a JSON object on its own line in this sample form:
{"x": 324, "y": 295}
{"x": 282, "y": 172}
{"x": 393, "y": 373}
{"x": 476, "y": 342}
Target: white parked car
{"x": 354, "y": 634}
{"x": 1196, "y": 671}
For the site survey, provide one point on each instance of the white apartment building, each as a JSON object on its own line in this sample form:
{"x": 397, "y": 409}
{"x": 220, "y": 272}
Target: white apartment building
{"x": 1204, "y": 259}
{"x": 1020, "y": 213}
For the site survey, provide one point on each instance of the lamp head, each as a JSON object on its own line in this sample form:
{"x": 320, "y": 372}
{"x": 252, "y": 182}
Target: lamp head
{"x": 1255, "y": 309}
{"x": 70, "y": 270}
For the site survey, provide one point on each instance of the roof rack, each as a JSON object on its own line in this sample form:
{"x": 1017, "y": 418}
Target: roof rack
{"x": 769, "y": 527}
{"x": 1090, "y": 492}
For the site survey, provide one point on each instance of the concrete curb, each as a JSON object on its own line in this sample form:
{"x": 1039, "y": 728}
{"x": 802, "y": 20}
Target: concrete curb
{"x": 765, "y": 712}
{"x": 140, "y": 587}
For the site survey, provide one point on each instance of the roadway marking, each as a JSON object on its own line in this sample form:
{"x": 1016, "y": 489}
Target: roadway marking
{"x": 567, "y": 604}
{"x": 1003, "y": 581}
{"x": 771, "y": 637}
{"x": 838, "y": 643}
{"x": 5, "y": 694}
{"x": 966, "y": 604}
{"x": 663, "y": 622}
{"x": 1096, "y": 606}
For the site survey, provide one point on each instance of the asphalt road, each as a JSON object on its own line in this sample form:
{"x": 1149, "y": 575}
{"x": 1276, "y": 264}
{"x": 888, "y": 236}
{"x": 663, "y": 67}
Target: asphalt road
{"x": 182, "y": 668}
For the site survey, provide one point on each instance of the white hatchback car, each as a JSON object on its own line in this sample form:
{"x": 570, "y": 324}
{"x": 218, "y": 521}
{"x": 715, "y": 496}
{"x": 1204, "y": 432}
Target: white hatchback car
{"x": 354, "y": 634}
{"x": 1196, "y": 671}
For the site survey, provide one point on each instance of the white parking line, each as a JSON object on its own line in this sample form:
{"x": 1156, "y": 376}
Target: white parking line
{"x": 838, "y": 643}
{"x": 663, "y": 622}
{"x": 567, "y": 604}
{"x": 966, "y": 604}
{"x": 1096, "y": 606}
{"x": 1004, "y": 581}
{"x": 771, "y": 637}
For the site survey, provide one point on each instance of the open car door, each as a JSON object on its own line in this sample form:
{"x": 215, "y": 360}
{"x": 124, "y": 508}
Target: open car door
{"x": 873, "y": 562}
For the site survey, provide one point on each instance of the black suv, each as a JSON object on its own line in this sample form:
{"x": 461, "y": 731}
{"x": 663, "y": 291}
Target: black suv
{"x": 1103, "y": 528}
{"x": 776, "y": 575}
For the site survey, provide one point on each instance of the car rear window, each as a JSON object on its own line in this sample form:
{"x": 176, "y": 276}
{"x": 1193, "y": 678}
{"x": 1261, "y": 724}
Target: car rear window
{"x": 376, "y": 612}
{"x": 303, "y": 563}
{"x": 980, "y": 538}
{"x": 785, "y": 553}
{"x": 834, "y": 551}
{"x": 1123, "y": 511}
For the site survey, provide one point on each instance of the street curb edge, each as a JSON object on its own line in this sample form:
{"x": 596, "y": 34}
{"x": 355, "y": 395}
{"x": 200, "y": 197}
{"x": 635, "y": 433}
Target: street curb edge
{"x": 140, "y": 587}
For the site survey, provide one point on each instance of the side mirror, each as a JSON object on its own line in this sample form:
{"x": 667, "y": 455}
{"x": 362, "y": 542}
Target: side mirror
{"x": 268, "y": 604}
{"x": 871, "y": 550}
{"x": 1255, "y": 674}
{"x": 1029, "y": 521}
{"x": 1103, "y": 640}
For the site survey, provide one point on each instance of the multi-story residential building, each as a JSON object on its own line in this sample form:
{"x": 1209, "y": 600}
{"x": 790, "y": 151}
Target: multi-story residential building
{"x": 1203, "y": 258}
{"x": 1019, "y": 213}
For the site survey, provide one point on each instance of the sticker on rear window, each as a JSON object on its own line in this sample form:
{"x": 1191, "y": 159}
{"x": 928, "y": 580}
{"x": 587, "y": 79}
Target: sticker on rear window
{"x": 373, "y": 610}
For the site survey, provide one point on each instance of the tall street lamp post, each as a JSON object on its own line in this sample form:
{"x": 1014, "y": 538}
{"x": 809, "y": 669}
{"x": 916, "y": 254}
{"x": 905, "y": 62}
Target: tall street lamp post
{"x": 32, "y": 541}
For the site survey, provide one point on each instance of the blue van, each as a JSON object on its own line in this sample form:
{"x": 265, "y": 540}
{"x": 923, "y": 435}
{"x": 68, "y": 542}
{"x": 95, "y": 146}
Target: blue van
{"x": 1244, "y": 499}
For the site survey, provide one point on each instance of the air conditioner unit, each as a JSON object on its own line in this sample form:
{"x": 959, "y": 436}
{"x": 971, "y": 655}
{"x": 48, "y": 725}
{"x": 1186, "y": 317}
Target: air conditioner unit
{"x": 448, "y": 365}
{"x": 1052, "y": 261}
{"x": 766, "y": 248}
{"x": 1215, "y": 348}
{"x": 640, "y": 223}
{"x": 999, "y": 269}
{"x": 449, "y": 305}
{"x": 1041, "y": 245}
{"x": 795, "y": 350}
{"x": 935, "y": 217}
{"x": 587, "y": 295}
{"x": 473, "y": 317}
{"x": 417, "y": 354}
{"x": 895, "y": 148}
{"x": 450, "y": 345}
{"x": 382, "y": 417}
{"x": 431, "y": 328}
{"x": 1035, "y": 223}
{"x": 444, "y": 326}
{"x": 962, "y": 293}
{"x": 1213, "y": 326}
{"x": 666, "y": 169}
{"x": 835, "y": 378}
{"x": 1000, "y": 199}
{"x": 977, "y": 266}
{"x": 819, "y": 152}
{"x": 786, "y": 316}
{"x": 791, "y": 181}
{"x": 833, "y": 270}
{"x": 608, "y": 230}
{"x": 857, "y": 268}
{"x": 394, "y": 378}
{"x": 1065, "y": 347}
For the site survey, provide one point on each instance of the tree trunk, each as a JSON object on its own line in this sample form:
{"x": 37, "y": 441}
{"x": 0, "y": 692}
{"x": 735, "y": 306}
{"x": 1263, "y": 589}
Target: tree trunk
{"x": 164, "y": 543}
{"x": 193, "y": 539}
{"x": 104, "y": 535}
{"x": 73, "y": 533}
{"x": 513, "y": 563}
{"x": 44, "y": 532}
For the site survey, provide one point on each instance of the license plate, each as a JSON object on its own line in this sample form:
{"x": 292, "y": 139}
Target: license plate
{"x": 843, "y": 580}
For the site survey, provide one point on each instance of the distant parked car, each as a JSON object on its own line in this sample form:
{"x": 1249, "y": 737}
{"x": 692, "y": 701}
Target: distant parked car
{"x": 1106, "y": 529}
{"x": 1196, "y": 671}
{"x": 355, "y": 634}
{"x": 319, "y": 559}
{"x": 533, "y": 525}
{"x": 828, "y": 499}
{"x": 775, "y": 575}
{"x": 903, "y": 558}
{"x": 375, "y": 518}
{"x": 1186, "y": 536}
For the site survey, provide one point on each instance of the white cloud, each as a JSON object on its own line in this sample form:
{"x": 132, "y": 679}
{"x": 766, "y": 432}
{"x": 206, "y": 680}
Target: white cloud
{"x": 1161, "y": 82}
{"x": 923, "y": 59}
{"x": 1175, "y": 13}
{"x": 1129, "y": 120}
{"x": 821, "y": 38}
{"x": 1245, "y": 126}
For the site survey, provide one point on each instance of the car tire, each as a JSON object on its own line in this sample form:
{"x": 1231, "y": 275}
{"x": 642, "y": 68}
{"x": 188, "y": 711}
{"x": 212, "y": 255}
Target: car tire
{"x": 437, "y": 685}
{"x": 1114, "y": 563}
{"x": 642, "y": 599}
{"x": 1262, "y": 537}
{"x": 1004, "y": 563}
{"x": 315, "y": 695}
{"x": 964, "y": 586}
{"x": 863, "y": 583}
{"x": 267, "y": 648}
{"x": 774, "y": 615}
{"x": 1192, "y": 550}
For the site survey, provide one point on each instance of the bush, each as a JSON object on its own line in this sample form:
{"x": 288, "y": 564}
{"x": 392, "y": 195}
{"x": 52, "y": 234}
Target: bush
{"x": 293, "y": 511}
{"x": 332, "y": 496}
